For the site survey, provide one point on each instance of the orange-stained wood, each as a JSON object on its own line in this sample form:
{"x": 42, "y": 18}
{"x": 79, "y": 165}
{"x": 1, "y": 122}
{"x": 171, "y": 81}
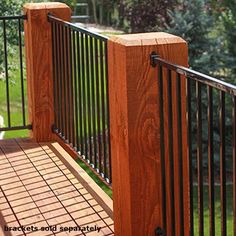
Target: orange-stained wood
{"x": 135, "y": 132}
{"x": 38, "y": 46}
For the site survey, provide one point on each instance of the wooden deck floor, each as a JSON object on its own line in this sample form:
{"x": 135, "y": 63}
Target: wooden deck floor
{"x": 38, "y": 190}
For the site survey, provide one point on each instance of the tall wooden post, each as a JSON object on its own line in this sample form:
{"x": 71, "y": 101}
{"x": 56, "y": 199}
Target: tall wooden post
{"x": 38, "y": 46}
{"x": 135, "y": 129}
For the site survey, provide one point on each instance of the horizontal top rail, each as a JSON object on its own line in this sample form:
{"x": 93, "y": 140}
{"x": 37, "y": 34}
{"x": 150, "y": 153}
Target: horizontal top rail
{"x": 80, "y": 17}
{"x": 16, "y": 128}
{"x": 195, "y": 75}
{"x": 23, "y": 17}
{"x": 75, "y": 27}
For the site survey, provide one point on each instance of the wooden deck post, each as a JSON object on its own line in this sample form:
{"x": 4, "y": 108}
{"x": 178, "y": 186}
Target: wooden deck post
{"x": 135, "y": 130}
{"x": 38, "y": 46}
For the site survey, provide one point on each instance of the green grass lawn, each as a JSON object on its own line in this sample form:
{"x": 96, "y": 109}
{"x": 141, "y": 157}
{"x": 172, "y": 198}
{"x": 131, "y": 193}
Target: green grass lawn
{"x": 15, "y": 104}
{"x": 99, "y": 182}
{"x": 229, "y": 204}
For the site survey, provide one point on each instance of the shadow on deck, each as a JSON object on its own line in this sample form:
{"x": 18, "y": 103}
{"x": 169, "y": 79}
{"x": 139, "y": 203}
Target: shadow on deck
{"x": 42, "y": 186}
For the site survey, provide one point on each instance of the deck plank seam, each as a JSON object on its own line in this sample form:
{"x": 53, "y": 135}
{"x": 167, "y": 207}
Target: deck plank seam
{"x": 31, "y": 182}
{"x": 53, "y": 196}
{"x": 20, "y": 175}
{"x": 27, "y": 167}
{"x": 34, "y": 208}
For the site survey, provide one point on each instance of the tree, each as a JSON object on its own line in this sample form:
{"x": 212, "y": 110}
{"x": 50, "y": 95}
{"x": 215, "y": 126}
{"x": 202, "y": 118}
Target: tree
{"x": 103, "y": 10}
{"x": 144, "y": 15}
{"x": 193, "y": 21}
{"x": 229, "y": 21}
{"x": 70, "y": 3}
{"x": 8, "y": 8}
{"x": 11, "y": 7}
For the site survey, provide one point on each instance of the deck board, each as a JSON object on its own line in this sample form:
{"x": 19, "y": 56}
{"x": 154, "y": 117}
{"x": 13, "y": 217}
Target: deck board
{"x": 37, "y": 189}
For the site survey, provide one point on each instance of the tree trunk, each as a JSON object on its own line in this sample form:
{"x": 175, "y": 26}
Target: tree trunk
{"x": 94, "y": 2}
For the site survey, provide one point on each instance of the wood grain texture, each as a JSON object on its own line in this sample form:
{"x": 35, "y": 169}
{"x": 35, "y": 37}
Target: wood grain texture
{"x": 135, "y": 128}
{"x": 38, "y": 46}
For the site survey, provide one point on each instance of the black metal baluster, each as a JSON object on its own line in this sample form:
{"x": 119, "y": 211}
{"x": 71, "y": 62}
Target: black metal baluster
{"x": 211, "y": 162}
{"x": 71, "y": 90}
{"x": 85, "y": 117}
{"x": 190, "y": 162}
{"x": 64, "y": 84}
{"x": 104, "y": 144}
{"x": 60, "y": 78}
{"x": 99, "y": 161}
{"x": 180, "y": 151}
{"x": 199, "y": 159}
{"x": 171, "y": 160}
{"x": 234, "y": 162}
{"x": 222, "y": 165}
{"x": 93, "y": 104}
{"x": 108, "y": 112}
{"x": 6, "y": 74}
{"x": 68, "y": 82}
{"x": 80, "y": 93}
{"x": 21, "y": 72}
{"x": 55, "y": 75}
{"x": 88, "y": 83}
{"x": 162, "y": 143}
{"x": 76, "y": 66}
{"x": 57, "y": 61}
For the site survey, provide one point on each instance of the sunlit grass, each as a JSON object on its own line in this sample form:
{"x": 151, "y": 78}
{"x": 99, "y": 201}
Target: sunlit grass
{"x": 15, "y": 97}
{"x": 99, "y": 182}
{"x": 229, "y": 206}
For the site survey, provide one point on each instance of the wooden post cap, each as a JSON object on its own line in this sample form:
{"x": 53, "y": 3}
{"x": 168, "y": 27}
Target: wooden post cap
{"x": 155, "y": 40}
{"x": 45, "y": 5}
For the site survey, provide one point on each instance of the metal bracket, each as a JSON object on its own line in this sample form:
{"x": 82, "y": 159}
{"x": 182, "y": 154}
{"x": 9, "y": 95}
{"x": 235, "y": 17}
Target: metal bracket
{"x": 153, "y": 57}
{"x": 53, "y": 128}
{"x": 25, "y": 17}
{"x": 49, "y": 14}
{"x": 159, "y": 232}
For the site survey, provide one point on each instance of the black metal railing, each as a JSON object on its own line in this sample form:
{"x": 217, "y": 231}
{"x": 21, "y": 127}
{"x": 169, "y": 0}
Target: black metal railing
{"x": 210, "y": 112}
{"x": 81, "y": 93}
{"x": 12, "y": 73}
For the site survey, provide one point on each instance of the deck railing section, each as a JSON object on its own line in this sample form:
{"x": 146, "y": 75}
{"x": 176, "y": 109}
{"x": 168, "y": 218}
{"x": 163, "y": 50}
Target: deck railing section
{"x": 12, "y": 73}
{"x": 81, "y": 93}
{"x": 211, "y": 118}
{"x": 155, "y": 121}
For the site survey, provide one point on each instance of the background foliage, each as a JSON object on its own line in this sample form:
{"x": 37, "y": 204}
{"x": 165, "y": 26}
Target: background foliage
{"x": 144, "y": 15}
